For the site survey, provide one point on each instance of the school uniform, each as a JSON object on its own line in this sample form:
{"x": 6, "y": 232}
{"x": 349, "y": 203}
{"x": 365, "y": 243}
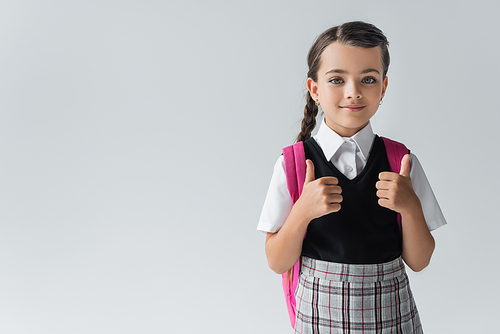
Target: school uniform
{"x": 352, "y": 277}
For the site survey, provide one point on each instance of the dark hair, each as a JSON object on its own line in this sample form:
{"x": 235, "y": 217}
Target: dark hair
{"x": 355, "y": 33}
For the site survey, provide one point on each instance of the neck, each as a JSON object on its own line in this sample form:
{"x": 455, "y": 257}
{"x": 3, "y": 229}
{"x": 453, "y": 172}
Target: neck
{"x": 343, "y": 131}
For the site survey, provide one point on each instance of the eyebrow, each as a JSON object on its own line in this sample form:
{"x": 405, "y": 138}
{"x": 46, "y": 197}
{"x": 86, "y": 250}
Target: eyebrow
{"x": 336, "y": 70}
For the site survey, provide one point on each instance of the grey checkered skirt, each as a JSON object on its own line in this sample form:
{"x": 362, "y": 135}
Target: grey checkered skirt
{"x": 355, "y": 298}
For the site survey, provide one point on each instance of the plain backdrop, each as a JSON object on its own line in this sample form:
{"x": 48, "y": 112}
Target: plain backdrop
{"x": 137, "y": 141}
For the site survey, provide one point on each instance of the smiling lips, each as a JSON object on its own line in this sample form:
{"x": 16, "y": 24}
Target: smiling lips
{"x": 352, "y": 107}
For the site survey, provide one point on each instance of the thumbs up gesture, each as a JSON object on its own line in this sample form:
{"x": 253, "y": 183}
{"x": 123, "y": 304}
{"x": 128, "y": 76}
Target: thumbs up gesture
{"x": 395, "y": 191}
{"x": 319, "y": 196}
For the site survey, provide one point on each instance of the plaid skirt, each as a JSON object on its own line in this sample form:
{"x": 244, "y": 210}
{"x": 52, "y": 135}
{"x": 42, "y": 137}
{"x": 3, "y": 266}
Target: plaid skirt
{"x": 355, "y": 298}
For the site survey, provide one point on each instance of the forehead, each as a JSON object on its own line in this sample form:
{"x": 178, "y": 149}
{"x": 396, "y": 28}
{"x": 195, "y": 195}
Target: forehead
{"x": 350, "y": 58}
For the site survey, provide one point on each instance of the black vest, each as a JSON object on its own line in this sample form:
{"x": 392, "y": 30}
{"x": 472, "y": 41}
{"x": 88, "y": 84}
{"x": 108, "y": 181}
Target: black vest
{"x": 362, "y": 231}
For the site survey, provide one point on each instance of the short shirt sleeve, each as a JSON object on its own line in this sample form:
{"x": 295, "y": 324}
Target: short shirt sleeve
{"x": 278, "y": 203}
{"x": 432, "y": 212}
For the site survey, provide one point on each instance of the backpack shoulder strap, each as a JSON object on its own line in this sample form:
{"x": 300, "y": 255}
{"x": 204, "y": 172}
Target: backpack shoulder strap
{"x": 295, "y": 169}
{"x": 395, "y": 152}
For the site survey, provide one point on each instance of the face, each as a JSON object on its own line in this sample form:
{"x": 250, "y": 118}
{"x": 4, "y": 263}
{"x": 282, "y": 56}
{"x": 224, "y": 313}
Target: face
{"x": 350, "y": 86}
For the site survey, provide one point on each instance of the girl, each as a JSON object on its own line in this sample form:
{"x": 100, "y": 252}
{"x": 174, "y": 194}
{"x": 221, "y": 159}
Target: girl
{"x": 352, "y": 276}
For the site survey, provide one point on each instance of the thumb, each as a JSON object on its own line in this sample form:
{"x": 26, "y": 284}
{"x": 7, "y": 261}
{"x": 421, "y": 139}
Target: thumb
{"x": 405, "y": 166}
{"x": 309, "y": 172}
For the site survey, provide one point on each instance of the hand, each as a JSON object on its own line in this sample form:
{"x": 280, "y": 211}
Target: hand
{"x": 395, "y": 191}
{"x": 319, "y": 197}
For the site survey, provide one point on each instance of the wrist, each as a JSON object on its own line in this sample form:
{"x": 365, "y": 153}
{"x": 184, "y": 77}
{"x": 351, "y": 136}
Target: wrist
{"x": 412, "y": 209}
{"x": 301, "y": 214}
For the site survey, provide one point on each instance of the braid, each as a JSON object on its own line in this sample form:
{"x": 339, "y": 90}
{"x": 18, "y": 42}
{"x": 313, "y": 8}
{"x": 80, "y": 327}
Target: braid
{"x": 309, "y": 120}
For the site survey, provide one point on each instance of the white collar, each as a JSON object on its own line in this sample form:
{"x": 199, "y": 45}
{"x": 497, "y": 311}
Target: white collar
{"x": 330, "y": 141}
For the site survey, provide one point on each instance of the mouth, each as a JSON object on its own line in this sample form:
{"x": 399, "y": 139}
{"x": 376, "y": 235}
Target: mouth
{"x": 353, "y": 107}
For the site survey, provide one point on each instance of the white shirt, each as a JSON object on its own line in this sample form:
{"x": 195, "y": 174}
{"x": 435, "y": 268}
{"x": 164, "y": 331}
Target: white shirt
{"x": 349, "y": 155}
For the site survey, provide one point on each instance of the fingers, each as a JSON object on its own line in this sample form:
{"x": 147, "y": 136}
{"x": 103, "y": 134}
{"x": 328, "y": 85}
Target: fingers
{"x": 328, "y": 181}
{"x": 405, "y": 166}
{"x": 386, "y": 198}
{"x": 333, "y": 195}
{"x": 332, "y": 203}
{"x": 383, "y": 185}
{"x": 383, "y": 194}
{"x": 384, "y": 202}
{"x": 394, "y": 190}
{"x": 390, "y": 180}
{"x": 405, "y": 170}
{"x": 386, "y": 193}
{"x": 387, "y": 189}
{"x": 336, "y": 200}
{"x": 309, "y": 172}
{"x": 334, "y": 207}
{"x": 320, "y": 196}
{"x": 387, "y": 176}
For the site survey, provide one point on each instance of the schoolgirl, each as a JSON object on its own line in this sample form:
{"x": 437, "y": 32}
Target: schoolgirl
{"x": 352, "y": 276}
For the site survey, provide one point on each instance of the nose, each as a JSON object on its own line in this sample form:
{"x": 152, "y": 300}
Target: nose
{"x": 352, "y": 91}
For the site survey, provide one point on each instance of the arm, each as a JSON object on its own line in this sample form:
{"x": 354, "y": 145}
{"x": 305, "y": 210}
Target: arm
{"x": 319, "y": 197}
{"x": 395, "y": 192}
{"x": 418, "y": 243}
{"x": 283, "y": 248}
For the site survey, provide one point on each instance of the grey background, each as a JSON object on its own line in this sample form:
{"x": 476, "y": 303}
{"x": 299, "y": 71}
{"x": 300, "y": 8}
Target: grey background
{"x": 137, "y": 140}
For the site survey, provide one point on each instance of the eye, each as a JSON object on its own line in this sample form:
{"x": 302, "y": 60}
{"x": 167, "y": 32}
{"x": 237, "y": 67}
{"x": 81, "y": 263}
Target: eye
{"x": 369, "y": 80}
{"x": 336, "y": 81}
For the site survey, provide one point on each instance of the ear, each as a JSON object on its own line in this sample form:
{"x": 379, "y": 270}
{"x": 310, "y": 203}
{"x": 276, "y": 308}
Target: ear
{"x": 384, "y": 86}
{"x": 312, "y": 86}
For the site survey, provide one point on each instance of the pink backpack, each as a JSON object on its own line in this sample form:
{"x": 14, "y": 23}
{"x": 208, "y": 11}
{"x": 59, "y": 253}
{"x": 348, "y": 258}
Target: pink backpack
{"x": 295, "y": 169}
